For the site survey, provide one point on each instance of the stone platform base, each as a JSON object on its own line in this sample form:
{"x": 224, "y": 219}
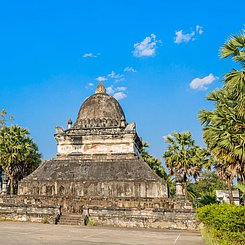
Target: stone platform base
{"x": 121, "y": 212}
{"x": 146, "y": 218}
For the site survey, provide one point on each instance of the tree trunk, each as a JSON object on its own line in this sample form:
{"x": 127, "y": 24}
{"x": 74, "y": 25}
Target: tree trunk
{"x": 229, "y": 182}
{"x": 186, "y": 192}
{"x": 11, "y": 185}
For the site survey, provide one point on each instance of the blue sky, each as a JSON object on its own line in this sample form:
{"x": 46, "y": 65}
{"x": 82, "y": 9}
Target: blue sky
{"x": 159, "y": 58}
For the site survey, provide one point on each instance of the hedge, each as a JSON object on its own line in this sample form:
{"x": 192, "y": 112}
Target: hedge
{"x": 225, "y": 222}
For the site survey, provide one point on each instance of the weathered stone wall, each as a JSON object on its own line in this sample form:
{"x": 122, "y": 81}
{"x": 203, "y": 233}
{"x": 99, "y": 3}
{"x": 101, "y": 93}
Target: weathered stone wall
{"x": 163, "y": 213}
{"x": 93, "y": 188}
{"x": 17, "y": 209}
{"x": 115, "y": 177}
{"x": 97, "y": 144}
{"x": 76, "y": 205}
{"x": 63, "y": 204}
{"x": 144, "y": 218}
{"x": 121, "y": 212}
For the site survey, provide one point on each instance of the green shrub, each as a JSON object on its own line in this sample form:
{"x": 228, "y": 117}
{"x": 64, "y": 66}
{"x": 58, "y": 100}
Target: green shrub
{"x": 225, "y": 222}
{"x": 208, "y": 237}
{"x": 45, "y": 220}
{"x": 207, "y": 199}
{"x": 3, "y": 219}
{"x": 91, "y": 223}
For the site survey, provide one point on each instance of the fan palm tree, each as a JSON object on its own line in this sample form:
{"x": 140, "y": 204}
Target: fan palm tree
{"x": 234, "y": 81}
{"x": 224, "y": 128}
{"x": 183, "y": 158}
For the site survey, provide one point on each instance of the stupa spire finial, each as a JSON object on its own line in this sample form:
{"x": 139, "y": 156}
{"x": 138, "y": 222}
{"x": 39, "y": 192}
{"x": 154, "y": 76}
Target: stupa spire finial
{"x": 100, "y": 89}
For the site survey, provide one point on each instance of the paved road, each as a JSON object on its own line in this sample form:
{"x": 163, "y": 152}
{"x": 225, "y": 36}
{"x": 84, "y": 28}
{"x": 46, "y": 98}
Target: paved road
{"x": 12, "y": 233}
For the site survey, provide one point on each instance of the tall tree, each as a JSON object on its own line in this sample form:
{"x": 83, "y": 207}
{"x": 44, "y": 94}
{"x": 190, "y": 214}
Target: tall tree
{"x": 18, "y": 153}
{"x": 154, "y": 163}
{"x": 183, "y": 158}
{"x": 224, "y": 127}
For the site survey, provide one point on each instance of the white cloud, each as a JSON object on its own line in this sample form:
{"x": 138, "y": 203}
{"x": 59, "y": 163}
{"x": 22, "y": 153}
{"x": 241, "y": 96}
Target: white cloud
{"x": 181, "y": 37}
{"x": 113, "y": 75}
{"x": 89, "y": 55}
{"x": 117, "y": 92}
{"x": 129, "y": 69}
{"x": 119, "y": 95}
{"x": 121, "y": 88}
{"x": 185, "y": 38}
{"x": 147, "y": 47}
{"x": 199, "y": 83}
{"x": 110, "y": 89}
{"x": 199, "y": 29}
{"x": 89, "y": 85}
{"x": 101, "y": 78}
{"x": 117, "y": 77}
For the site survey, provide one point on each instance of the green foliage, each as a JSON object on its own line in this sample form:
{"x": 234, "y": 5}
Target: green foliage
{"x": 45, "y": 220}
{"x": 154, "y": 163}
{"x": 241, "y": 187}
{"x": 208, "y": 237}
{"x": 207, "y": 199}
{"x": 224, "y": 127}
{"x": 91, "y": 223}
{"x": 225, "y": 222}
{"x": 203, "y": 189}
{"x": 171, "y": 186}
{"x": 18, "y": 153}
{"x": 208, "y": 183}
{"x": 235, "y": 48}
{"x": 183, "y": 158}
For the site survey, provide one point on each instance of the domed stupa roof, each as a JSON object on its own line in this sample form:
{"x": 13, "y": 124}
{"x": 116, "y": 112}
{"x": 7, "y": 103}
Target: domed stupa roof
{"x": 100, "y": 111}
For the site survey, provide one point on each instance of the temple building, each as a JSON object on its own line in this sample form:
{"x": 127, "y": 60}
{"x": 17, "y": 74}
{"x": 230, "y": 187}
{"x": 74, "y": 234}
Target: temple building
{"x": 98, "y": 156}
{"x": 97, "y": 176}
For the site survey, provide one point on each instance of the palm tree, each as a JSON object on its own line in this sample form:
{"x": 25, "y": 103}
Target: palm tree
{"x": 18, "y": 153}
{"x": 235, "y": 80}
{"x": 241, "y": 187}
{"x": 183, "y": 158}
{"x": 223, "y": 133}
{"x": 224, "y": 128}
